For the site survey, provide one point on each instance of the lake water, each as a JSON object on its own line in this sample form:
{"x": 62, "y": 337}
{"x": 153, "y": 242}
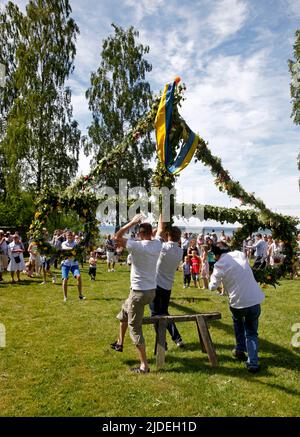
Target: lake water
{"x": 191, "y": 229}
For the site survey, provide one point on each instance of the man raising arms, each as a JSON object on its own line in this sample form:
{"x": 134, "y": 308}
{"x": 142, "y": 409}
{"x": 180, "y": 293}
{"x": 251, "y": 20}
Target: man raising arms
{"x": 144, "y": 253}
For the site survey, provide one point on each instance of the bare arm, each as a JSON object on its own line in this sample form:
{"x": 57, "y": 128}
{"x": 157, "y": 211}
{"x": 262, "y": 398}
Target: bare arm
{"x": 121, "y": 242}
{"x": 161, "y": 227}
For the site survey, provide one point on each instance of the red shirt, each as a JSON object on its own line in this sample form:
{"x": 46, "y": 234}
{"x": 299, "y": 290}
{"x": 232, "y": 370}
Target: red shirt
{"x": 195, "y": 265}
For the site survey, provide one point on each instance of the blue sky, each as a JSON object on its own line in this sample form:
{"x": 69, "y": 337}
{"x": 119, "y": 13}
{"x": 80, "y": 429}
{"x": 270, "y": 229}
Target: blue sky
{"x": 232, "y": 56}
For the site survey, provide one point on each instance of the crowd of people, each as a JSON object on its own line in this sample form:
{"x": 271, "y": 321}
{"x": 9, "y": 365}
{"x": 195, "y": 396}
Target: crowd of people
{"x": 154, "y": 256}
{"x": 197, "y": 263}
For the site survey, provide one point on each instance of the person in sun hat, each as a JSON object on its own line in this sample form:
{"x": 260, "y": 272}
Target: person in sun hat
{"x": 16, "y": 263}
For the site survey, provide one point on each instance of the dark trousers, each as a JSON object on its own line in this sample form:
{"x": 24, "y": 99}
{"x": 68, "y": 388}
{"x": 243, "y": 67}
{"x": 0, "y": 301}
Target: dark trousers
{"x": 159, "y": 307}
{"x": 259, "y": 262}
{"x": 187, "y": 279}
{"x": 92, "y": 271}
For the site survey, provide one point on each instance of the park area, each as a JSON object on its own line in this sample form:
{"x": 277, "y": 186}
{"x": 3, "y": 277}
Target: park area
{"x": 58, "y": 361}
{"x": 149, "y": 161}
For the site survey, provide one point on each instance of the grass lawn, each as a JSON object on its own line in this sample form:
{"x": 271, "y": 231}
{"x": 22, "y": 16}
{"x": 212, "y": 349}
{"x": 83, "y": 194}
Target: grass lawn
{"x": 58, "y": 362}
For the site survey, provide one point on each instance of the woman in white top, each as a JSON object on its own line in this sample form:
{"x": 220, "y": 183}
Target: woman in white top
{"x": 16, "y": 263}
{"x": 275, "y": 253}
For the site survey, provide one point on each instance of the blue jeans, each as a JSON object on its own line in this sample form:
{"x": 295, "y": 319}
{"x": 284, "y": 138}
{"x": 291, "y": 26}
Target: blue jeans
{"x": 159, "y": 307}
{"x": 245, "y": 322}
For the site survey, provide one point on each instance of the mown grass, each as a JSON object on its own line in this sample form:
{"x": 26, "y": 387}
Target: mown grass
{"x": 57, "y": 361}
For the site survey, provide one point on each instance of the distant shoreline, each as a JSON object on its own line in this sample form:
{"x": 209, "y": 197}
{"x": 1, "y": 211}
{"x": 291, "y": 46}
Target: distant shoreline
{"x": 228, "y": 230}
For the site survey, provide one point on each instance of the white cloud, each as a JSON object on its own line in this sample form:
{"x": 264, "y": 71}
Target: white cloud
{"x": 227, "y": 17}
{"x": 294, "y": 7}
{"x": 243, "y": 111}
{"x": 142, "y": 8}
{"x": 185, "y": 34}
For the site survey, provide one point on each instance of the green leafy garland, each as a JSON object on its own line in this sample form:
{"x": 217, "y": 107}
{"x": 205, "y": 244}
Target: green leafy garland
{"x": 80, "y": 196}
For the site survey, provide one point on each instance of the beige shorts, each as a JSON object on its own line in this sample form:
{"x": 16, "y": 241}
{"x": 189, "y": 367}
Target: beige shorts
{"x": 3, "y": 262}
{"x": 133, "y": 312}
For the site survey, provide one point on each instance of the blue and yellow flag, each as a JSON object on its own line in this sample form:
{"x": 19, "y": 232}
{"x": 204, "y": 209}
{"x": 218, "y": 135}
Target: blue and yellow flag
{"x": 163, "y": 125}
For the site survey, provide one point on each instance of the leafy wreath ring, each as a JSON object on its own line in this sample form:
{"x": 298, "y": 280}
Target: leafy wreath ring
{"x": 176, "y": 145}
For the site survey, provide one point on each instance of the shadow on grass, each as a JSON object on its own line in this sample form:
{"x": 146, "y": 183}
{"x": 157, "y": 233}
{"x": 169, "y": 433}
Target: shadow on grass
{"x": 22, "y": 283}
{"x": 201, "y": 364}
{"x": 279, "y": 356}
{"x": 187, "y": 309}
{"x": 120, "y": 299}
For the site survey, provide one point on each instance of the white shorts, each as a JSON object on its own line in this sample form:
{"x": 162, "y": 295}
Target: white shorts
{"x": 111, "y": 257}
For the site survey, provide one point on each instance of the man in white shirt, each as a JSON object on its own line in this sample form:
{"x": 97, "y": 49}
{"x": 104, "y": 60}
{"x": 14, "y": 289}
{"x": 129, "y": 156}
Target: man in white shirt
{"x": 168, "y": 262}
{"x": 144, "y": 256}
{"x": 185, "y": 241}
{"x": 234, "y": 272}
{"x": 70, "y": 264}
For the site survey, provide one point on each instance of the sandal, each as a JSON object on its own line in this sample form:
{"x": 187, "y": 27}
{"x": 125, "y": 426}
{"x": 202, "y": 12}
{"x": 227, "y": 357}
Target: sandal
{"x": 139, "y": 370}
{"x": 116, "y": 346}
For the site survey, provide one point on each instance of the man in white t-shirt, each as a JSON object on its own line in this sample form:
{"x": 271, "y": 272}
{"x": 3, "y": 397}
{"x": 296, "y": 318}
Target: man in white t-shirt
{"x": 70, "y": 264}
{"x": 232, "y": 269}
{"x": 168, "y": 262}
{"x": 185, "y": 242}
{"x": 144, "y": 256}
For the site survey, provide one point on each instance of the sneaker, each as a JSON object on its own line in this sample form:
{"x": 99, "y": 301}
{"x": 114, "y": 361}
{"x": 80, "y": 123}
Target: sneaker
{"x": 65, "y": 299}
{"x": 82, "y": 297}
{"x": 112, "y": 270}
{"x": 43, "y": 283}
{"x": 108, "y": 270}
{"x": 180, "y": 343}
{"x": 239, "y": 355}
{"x": 116, "y": 346}
{"x": 54, "y": 279}
{"x": 139, "y": 370}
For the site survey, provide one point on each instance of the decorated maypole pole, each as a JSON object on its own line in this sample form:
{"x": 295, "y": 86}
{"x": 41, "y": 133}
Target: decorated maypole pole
{"x": 176, "y": 142}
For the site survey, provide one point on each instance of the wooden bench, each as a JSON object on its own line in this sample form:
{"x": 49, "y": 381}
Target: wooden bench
{"x": 201, "y": 320}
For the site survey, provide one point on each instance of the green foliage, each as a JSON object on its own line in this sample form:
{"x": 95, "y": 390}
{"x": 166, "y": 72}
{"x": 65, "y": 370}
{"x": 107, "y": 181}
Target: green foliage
{"x": 17, "y": 211}
{"x": 294, "y": 67}
{"x": 38, "y": 136}
{"x": 78, "y": 207}
{"x": 119, "y": 97}
{"x": 61, "y": 219}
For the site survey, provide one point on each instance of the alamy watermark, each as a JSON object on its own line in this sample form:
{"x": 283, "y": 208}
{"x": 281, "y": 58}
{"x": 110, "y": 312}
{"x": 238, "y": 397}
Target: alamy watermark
{"x": 296, "y": 337}
{"x": 2, "y": 335}
{"x": 2, "y": 74}
{"x": 138, "y": 199}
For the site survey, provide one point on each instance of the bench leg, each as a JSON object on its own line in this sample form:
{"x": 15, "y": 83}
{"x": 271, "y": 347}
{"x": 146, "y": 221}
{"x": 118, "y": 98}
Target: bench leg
{"x": 201, "y": 322}
{"x": 161, "y": 343}
{"x": 200, "y": 339}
